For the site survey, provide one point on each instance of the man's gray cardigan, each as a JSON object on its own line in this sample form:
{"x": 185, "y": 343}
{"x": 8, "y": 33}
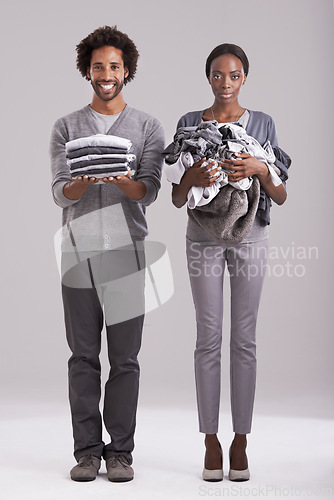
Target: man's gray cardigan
{"x": 147, "y": 137}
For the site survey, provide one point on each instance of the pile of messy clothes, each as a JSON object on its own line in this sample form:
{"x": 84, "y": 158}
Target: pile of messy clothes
{"x": 226, "y": 209}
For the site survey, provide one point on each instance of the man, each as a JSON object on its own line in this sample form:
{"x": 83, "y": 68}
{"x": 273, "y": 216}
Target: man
{"x": 102, "y": 219}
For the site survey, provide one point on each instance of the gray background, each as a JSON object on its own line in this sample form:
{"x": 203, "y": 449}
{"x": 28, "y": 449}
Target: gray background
{"x": 290, "y": 47}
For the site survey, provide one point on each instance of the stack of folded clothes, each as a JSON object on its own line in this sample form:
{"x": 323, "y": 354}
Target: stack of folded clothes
{"x": 99, "y": 156}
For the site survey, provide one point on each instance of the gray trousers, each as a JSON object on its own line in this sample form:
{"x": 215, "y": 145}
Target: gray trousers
{"x": 206, "y": 265}
{"x": 85, "y": 311}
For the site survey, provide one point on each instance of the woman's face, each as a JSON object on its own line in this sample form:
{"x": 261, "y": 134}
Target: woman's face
{"x": 226, "y": 78}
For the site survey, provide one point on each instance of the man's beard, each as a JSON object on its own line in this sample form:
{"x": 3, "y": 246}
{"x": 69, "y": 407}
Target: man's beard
{"x": 117, "y": 89}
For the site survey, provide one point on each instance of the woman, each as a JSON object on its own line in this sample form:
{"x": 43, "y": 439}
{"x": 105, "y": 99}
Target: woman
{"x": 227, "y": 69}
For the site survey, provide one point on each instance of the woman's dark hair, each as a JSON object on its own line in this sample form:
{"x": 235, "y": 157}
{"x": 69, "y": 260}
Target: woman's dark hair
{"x": 227, "y": 48}
{"x": 107, "y": 35}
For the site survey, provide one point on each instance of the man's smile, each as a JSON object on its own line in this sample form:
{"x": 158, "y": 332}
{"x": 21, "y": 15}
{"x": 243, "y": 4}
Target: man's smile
{"x": 106, "y": 86}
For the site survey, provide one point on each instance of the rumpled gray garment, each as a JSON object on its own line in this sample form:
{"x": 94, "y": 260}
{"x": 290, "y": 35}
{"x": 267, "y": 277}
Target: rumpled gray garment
{"x": 228, "y": 218}
{"x": 200, "y": 141}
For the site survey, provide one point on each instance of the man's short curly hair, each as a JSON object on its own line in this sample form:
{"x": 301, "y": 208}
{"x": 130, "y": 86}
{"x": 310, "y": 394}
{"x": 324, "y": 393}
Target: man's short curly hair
{"x": 107, "y": 35}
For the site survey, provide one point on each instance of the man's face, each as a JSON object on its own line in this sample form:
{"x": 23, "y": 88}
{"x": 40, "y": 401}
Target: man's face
{"x": 107, "y": 72}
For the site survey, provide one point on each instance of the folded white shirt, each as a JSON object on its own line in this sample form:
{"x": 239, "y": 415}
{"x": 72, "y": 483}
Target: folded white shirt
{"x": 99, "y": 140}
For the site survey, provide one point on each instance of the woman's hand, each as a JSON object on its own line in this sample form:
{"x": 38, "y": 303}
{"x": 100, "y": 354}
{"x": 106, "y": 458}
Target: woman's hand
{"x": 244, "y": 167}
{"x": 197, "y": 175}
{"x": 249, "y": 165}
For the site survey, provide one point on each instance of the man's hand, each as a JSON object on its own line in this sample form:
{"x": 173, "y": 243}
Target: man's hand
{"x": 84, "y": 181}
{"x": 135, "y": 190}
{"x": 74, "y": 189}
{"x": 119, "y": 180}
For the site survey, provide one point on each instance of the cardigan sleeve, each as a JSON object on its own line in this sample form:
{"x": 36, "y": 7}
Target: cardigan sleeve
{"x": 59, "y": 168}
{"x": 272, "y": 134}
{"x": 181, "y": 122}
{"x": 150, "y": 165}
{"x": 283, "y": 160}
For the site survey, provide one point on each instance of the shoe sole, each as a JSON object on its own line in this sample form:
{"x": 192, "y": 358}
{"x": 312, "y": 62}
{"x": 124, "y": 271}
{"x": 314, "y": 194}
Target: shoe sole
{"x": 83, "y": 480}
{"x": 212, "y": 480}
{"x": 120, "y": 479}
